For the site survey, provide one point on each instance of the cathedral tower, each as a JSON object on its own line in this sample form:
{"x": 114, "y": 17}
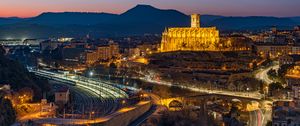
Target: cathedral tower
{"x": 195, "y": 21}
{"x": 194, "y": 38}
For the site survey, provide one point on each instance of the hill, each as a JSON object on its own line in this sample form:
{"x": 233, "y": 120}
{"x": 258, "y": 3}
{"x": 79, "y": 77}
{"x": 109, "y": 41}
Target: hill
{"x": 11, "y": 20}
{"x": 252, "y": 23}
{"x": 14, "y": 74}
{"x": 71, "y": 18}
{"x": 139, "y": 20}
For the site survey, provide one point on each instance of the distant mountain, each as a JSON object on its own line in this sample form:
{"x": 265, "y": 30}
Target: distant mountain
{"x": 11, "y": 20}
{"x": 148, "y": 14}
{"x": 136, "y": 21}
{"x": 296, "y": 19}
{"x": 71, "y": 18}
{"x": 147, "y": 19}
{"x": 206, "y": 19}
{"x": 251, "y": 23}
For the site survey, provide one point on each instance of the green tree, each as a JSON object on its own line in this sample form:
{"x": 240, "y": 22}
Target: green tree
{"x": 275, "y": 89}
{"x": 283, "y": 70}
{"x": 2, "y": 51}
{"x": 272, "y": 73}
{"x": 269, "y": 123}
{"x": 275, "y": 86}
{"x": 15, "y": 74}
{"x": 7, "y": 113}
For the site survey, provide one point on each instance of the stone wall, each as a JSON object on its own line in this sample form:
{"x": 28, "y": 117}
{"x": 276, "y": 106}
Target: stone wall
{"x": 125, "y": 118}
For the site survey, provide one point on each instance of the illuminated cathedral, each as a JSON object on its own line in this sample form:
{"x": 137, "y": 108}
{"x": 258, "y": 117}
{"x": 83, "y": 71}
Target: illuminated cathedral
{"x": 192, "y": 38}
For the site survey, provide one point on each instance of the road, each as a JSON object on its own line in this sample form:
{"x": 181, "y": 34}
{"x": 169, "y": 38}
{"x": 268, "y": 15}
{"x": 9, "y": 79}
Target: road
{"x": 61, "y": 121}
{"x": 144, "y": 117}
{"x": 262, "y": 74}
{"x": 154, "y": 111}
{"x": 252, "y": 95}
{"x": 256, "y": 118}
{"x": 260, "y": 117}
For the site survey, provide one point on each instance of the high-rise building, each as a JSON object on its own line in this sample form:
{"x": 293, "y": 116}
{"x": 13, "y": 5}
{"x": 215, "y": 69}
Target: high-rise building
{"x": 91, "y": 57}
{"x": 109, "y": 51}
{"x": 114, "y": 50}
{"x": 194, "y": 38}
{"x": 104, "y": 53}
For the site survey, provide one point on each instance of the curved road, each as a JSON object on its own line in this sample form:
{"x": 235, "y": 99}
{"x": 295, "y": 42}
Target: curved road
{"x": 262, "y": 74}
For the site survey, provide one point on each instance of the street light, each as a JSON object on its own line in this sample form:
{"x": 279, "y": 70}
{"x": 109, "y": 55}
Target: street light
{"x": 92, "y": 114}
{"x": 123, "y": 102}
{"x": 91, "y": 73}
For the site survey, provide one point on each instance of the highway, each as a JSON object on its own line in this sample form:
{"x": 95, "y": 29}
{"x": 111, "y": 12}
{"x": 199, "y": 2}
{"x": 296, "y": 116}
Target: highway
{"x": 255, "y": 118}
{"x": 155, "y": 110}
{"x": 61, "y": 121}
{"x": 262, "y": 74}
{"x": 259, "y": 118}
{"x": 252, "y": 95}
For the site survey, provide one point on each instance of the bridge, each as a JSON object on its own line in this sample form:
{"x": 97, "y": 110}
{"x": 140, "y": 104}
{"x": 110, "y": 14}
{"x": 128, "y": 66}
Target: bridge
{"x": 180, "y": 102}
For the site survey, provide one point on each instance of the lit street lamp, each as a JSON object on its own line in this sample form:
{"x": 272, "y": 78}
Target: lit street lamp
{"x": 91, "y": 73}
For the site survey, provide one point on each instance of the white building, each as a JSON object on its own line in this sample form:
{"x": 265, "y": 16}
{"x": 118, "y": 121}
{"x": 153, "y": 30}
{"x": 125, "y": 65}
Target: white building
{"x": 296, "y": 93}
{"x": 62, "y": 95}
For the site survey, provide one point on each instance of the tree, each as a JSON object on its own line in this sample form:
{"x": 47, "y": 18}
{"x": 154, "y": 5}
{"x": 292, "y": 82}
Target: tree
{"x": 275, "y": 89}
{"x": 283, "y": 70}
{"x": 7, "y": 113}
{"x": 242, "y": 82}
{"x": 272, "y": 73}
{"x": 26, "y": 94}
{"x": 186, "y": 117}
{"x": 269, "y": 123}
{"x": 275, "y": 86}
{"x": 16, "y": 75}
{"x": 162, "y": 91}
{"x": 2, "y": 51}
{"x": 231, "y": 87}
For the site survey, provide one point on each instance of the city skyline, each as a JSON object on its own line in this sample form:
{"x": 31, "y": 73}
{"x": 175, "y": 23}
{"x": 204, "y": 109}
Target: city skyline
{"x": 277, "y": 8}
{"x": 150, "y": 62}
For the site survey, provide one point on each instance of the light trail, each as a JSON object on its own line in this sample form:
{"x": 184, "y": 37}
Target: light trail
{"x": 263, "y": 73}
{"x": 98, "y": 87}
{"x": 252, "y": 95}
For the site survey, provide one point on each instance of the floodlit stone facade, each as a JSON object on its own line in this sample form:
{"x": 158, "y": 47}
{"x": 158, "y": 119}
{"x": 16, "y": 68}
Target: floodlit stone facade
{"x": 192, "y": 38}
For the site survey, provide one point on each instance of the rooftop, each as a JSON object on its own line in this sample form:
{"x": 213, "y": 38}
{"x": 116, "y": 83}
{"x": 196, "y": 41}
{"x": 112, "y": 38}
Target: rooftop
{"x": 62, "y": 90}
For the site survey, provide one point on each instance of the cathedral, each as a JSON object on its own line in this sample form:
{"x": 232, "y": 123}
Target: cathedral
{"x": 192, "y": 38}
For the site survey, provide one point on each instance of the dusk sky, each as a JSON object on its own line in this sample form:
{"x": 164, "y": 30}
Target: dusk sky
{"x": 29, "y": 8}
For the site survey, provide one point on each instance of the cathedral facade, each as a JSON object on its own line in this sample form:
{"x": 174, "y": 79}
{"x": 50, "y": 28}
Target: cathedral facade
{"x": 192, "y": 38}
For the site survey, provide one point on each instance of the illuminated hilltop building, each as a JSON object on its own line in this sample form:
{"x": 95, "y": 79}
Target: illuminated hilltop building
{"x": 192, "y": 38}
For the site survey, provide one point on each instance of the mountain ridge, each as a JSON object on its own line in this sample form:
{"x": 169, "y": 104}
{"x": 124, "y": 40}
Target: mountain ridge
{"x": 138, "y": 20}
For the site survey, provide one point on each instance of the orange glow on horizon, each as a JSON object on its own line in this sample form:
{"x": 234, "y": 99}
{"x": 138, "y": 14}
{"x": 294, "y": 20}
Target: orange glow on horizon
{"x": 30, "y": 8}
{"x": 29, "y": 14}
{"x": 27, "y": 10}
